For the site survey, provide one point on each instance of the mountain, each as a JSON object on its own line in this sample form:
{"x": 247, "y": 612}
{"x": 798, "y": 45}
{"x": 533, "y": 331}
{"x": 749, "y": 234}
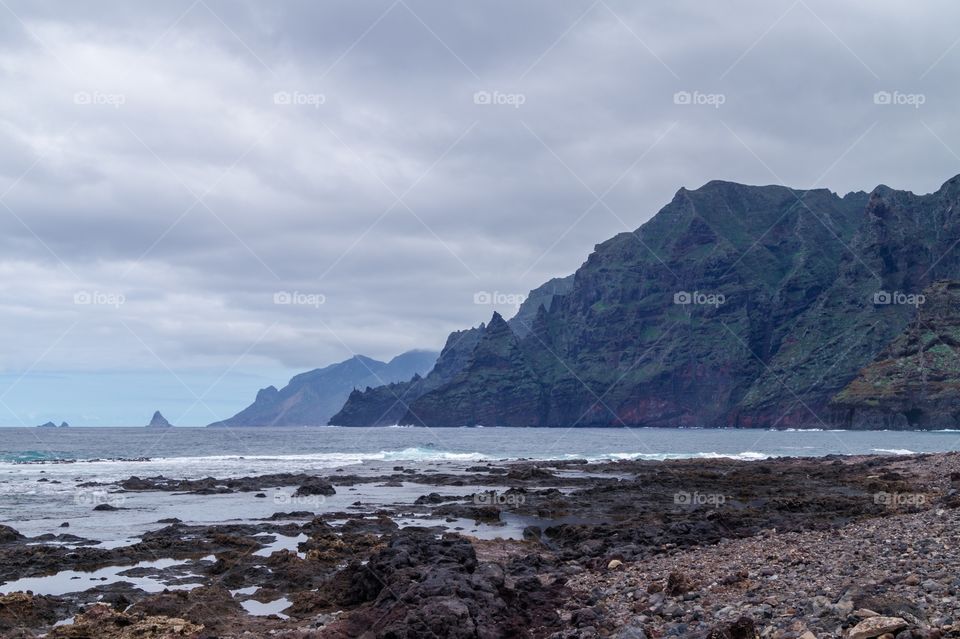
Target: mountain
{"x": 159, "y": 421}
{"x": 543, "y": 295}
{"x": 386, "y": 405}
{"x": 309, "y": 399}
{"x": 915, "y": 381}
{"x": 735, "y": 305}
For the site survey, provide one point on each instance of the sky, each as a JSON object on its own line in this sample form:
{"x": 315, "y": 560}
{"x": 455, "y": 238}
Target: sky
{"x": 200, "y": 198}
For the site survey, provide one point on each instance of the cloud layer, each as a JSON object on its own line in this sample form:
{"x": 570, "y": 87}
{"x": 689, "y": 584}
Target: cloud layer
{"x": 233, "y": 187}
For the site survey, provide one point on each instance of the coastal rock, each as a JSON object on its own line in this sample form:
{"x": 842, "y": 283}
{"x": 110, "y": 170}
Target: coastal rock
{"x": 799, "y": 545}
{"x": 135, "y": 483}
{"x": 678, "y": 584}
{"x": 8, "y": 534}
{"x": 632, "y": 631}
{"x": 207, "y": 606}
{"x": 444, "y": 590}
{"x": 524, "y": 473}
{"x": 315, "y": 486}
{"x": 876, "y": 626}
{"x": 23, "y": 610}
{"x": 103, "y": 622}
{"x": 742, "y": 628}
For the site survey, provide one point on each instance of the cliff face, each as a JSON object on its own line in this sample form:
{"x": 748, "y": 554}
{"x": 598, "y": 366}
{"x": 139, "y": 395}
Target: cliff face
{"x": 498, "y": 372}
{"x": 386, "y": 405}
{"x": 915, "y": 381}
{"x": 733, "y": 306}
{"x": 389, "y": 404}
{"x": 309, "y": 399}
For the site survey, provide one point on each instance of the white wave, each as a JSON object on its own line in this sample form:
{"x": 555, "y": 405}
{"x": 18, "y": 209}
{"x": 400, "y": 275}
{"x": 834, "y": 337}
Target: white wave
{"x": 429, "y": 454}
{"x": 426, "y": 453}
{"x": 744, "y": 456}
{"x": 894, "y": 451}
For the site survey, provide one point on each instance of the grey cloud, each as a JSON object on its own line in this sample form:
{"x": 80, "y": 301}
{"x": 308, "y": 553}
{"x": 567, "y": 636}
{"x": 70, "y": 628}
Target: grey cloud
{"x": 300, "y": 190}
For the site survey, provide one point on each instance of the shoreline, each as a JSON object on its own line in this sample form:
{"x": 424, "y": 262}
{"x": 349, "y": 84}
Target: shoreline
{"x": 558, "y": 549}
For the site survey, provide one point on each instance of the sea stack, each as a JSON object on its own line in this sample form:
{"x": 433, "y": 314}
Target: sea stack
{"x": 159, "y": 421}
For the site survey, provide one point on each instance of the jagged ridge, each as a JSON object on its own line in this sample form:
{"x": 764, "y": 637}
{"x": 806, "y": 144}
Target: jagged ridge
{"x": 796, "y": 272}
{"x": 309, "y": 399}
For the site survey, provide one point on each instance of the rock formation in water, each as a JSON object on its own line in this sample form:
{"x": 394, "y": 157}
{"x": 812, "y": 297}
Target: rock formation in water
{"x": 159, "y": 421}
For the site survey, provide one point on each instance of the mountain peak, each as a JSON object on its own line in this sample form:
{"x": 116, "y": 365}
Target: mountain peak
{"x": 496, "y": 320}
{"x": 950, "y": 186}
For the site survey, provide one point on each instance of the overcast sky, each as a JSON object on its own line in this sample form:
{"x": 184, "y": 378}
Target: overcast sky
{"x": 200, "y": 198}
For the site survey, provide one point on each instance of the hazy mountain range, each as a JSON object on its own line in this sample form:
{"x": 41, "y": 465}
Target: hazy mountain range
{"x": 309, "y": 399}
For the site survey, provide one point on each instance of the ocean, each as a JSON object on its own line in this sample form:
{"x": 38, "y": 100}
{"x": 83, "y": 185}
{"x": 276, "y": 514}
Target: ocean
{"x": 215, "y": 451}
{"x": 46, "y": 474}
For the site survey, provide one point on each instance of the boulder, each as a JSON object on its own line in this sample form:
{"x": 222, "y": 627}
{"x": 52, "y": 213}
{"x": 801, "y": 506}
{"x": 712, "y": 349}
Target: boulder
{"x": 876, "y": 626}
{"x": 315, "y": 486}
{"x": 8, "y": 534}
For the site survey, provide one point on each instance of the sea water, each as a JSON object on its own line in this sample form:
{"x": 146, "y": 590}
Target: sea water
{"x": 46, "y": 474}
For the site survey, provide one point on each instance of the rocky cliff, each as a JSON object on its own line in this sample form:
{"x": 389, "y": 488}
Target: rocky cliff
{"x": 915, "y": 381}
{"x": 733, "y": 306}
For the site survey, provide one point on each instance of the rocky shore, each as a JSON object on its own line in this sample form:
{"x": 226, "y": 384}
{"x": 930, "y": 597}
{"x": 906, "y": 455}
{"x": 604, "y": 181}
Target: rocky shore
{"x": 785, "y": 548}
